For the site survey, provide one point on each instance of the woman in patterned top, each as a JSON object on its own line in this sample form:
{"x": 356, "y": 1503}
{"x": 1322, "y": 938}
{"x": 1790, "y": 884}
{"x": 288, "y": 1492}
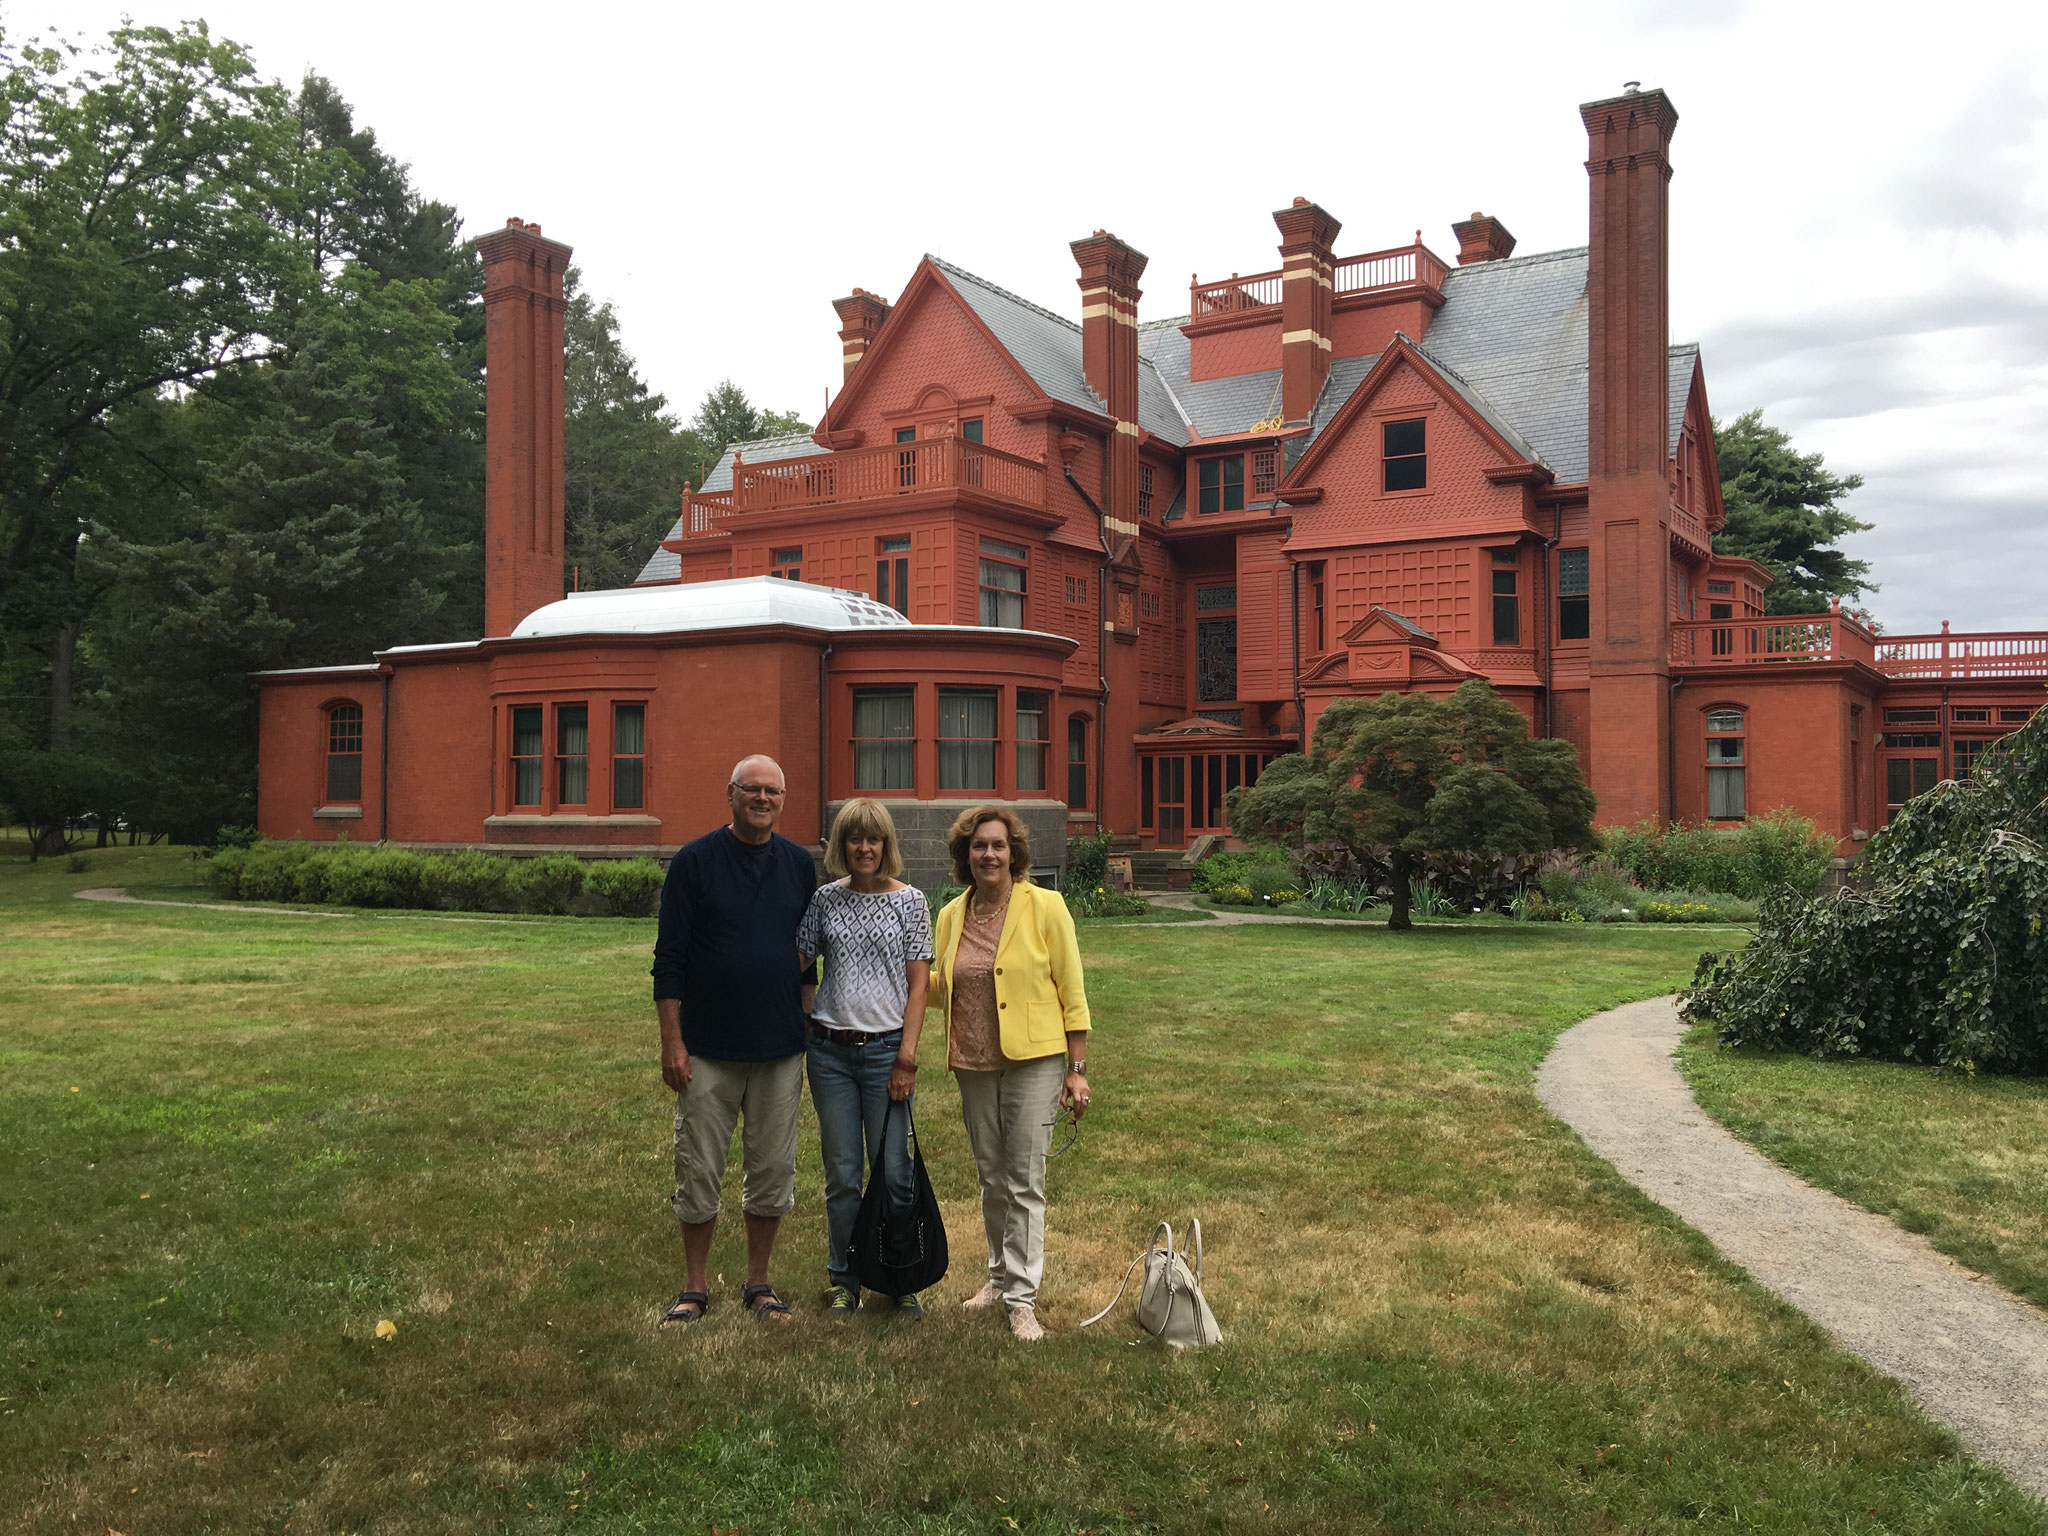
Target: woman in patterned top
{"x": 874, "y": 935}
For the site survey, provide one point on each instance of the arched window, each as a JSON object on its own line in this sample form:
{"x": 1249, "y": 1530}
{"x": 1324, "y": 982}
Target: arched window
{"x": 344, "y": 754}
{"x": 1726, "y": 764}
{"x": 1077, "y": 762}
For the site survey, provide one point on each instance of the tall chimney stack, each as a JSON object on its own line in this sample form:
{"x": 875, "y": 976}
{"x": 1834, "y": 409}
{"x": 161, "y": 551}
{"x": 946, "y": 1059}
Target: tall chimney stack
{"x": 1628, "y": 386}
{"x": 860, "y": 316}
{"x": 1110, "y": 270}
{"x": 1482, "y": 238}
{"x": 1308, "y": 237}
{"x": 523, "y": 308}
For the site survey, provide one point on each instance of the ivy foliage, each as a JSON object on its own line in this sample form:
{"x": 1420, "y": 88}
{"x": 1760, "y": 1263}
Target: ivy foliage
{"x": 1938, "y": 954}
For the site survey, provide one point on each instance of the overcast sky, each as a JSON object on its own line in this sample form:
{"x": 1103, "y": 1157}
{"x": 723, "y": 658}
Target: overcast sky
{"x": 1860, "y": 204}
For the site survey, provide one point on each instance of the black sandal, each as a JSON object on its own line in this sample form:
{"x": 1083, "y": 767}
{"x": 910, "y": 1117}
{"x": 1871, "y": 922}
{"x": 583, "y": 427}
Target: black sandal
{"x": 676, "y": 1312}
{"x": 763, "y": 1302}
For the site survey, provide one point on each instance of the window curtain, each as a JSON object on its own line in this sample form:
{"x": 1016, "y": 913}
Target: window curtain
{"x": 883, "y": 729}
{"x": 967, "y": 746}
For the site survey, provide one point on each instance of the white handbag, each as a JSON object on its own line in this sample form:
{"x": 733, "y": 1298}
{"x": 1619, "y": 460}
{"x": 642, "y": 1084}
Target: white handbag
{"x": 1171, "y": 1306}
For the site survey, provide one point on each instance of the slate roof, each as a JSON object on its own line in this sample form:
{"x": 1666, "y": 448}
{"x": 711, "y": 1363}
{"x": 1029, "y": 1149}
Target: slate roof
{"x": 1511, "y": 338}
{"x": 666, "y": 565}
{"x": 1048, "y": 347}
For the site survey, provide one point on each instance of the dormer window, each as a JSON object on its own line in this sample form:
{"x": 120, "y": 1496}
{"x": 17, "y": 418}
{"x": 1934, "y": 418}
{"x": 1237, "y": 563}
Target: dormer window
{"x": 1219, "y": 485}
{"x": 1407, "y": 463}
{"x": 971, "y": 429}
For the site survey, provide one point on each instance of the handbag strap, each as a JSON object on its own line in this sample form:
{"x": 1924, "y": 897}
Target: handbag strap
{"x": 1143, "y": 1253}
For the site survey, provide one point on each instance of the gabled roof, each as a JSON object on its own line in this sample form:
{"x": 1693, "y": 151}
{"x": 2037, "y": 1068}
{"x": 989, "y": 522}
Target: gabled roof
{"x": 1404, "y": 349}
{"x": 665, "y": 564}
{"x": 1048, "y": 348}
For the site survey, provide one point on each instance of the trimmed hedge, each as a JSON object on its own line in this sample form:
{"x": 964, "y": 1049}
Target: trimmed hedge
{"x": 469, "y": 881}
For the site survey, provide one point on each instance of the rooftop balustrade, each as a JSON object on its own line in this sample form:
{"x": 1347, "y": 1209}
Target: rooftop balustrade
{"x": 862, "y": 474}
{"x": 1946, "y": 656}
{"x": 1788, "y": 639}
{"x": 1402, "y": 267}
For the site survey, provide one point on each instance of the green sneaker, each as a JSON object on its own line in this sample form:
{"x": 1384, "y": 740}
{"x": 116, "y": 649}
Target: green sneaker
{"x": 839, "y": 1303}
{"x": 909, "y": 1306}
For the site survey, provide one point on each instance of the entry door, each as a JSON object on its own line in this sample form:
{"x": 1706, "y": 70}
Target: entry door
{"x": 1905, "y": 777}
{"x": 1173, "y": 802}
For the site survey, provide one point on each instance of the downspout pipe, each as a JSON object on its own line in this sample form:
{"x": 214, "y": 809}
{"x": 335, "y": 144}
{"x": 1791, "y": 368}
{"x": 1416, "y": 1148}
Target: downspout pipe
{"x": 1101, "y": 646}
{"x": 1548, "y": 597}
{"x": 1671, "y": 757}
{"x": 1294, "y": 609}
{"x": 824, "y": 742}
{"x": 384, "y": 761}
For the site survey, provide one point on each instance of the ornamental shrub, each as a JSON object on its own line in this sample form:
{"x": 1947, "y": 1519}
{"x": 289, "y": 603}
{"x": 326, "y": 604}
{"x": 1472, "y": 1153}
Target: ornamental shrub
{"x": 1220, "y": 871}
{"x": 1087, "y": 862}
{"x": 548, "y": 885}
{"x": 626, "y": 887}
{"x": 939, "y": 895}
{"x": 375, "y": 877}
{"x": 469, "y": 881}
{"x": 1777, "y": 849}
{"x": 1938, "y": 955}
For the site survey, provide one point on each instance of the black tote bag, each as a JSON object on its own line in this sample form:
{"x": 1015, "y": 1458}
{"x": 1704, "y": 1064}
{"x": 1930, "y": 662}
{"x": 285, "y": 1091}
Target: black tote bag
{"x": 898, "y": 1250}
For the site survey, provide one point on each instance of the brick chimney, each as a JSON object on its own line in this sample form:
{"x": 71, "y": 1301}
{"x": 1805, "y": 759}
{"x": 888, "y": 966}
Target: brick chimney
{"x": 523, "y": 307}
{"x": 1482, "y": 238}
{"x": 1628, "y": 166}
{"x": 1110, "y": 270}
{"x": 860, "y": 316}
{"x": 1307, "y": 238}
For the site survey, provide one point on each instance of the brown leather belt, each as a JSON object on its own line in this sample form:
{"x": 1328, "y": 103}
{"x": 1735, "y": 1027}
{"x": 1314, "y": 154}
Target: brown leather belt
{"x": 853, "y": 1036}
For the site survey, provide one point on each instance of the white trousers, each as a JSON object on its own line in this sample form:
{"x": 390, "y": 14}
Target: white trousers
{"x": 1009, "y": 1116}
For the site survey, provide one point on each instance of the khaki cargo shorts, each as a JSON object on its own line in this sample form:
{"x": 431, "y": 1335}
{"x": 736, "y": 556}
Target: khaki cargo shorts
{"x": 762, "y": 1098}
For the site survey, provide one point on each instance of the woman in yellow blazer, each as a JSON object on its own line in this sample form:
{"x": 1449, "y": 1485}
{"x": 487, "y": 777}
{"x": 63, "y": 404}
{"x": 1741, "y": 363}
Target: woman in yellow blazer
{"x": 1006, "y": 970}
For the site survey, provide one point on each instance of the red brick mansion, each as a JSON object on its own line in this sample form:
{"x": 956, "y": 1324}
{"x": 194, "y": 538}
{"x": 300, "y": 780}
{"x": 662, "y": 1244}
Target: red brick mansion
{"x": 1108, "y": 569}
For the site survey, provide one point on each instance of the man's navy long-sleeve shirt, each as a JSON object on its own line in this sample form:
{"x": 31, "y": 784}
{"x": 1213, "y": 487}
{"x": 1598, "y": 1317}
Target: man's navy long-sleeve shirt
{"x": 726, "y": 945}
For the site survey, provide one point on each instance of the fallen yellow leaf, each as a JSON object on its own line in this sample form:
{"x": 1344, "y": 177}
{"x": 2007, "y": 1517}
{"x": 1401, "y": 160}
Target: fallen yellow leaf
{"x": 386, "y": 1329}
{"x": 74, "y": 1087}
{"x": 145, "y": 1197}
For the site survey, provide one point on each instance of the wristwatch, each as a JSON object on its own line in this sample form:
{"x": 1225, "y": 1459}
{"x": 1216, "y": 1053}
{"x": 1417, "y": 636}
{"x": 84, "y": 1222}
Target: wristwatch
{"x": 1078, "y": 1068}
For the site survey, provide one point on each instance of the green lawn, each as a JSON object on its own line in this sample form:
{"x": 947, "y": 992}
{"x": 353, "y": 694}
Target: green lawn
{"x": 231, "y": 1143}
{"x": 1962, "y": 1159}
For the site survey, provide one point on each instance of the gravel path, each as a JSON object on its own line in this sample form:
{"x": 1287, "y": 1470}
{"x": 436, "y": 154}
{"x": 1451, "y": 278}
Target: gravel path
{"x": 1975, "y": 1356}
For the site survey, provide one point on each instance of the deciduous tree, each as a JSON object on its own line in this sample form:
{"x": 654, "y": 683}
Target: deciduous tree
{"x": 1416, "y": 774}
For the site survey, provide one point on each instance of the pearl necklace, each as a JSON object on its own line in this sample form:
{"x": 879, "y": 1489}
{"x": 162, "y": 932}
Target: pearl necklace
{"x": 983, "y": 922}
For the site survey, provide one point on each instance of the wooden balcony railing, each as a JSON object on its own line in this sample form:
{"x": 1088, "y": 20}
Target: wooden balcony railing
{"x": 1785, "y": 639}
{"x": 1404, "y": 266}
{"x": 1947, "y": 656}
{"x": 863, "y": 474}
{"x": 1690, "y": 529}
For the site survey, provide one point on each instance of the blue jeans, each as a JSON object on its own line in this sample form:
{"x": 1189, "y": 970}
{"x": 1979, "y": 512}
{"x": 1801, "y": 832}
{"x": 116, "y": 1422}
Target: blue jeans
{"x": 850, "y": 1091}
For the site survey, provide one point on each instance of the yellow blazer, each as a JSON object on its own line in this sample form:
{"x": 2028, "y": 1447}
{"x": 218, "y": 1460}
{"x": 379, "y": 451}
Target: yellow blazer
{"x": 1039, "y": 993}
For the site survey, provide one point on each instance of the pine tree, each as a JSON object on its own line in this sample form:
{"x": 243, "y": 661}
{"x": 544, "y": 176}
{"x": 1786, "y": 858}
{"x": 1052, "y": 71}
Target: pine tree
{"x": 1782, "y": 513}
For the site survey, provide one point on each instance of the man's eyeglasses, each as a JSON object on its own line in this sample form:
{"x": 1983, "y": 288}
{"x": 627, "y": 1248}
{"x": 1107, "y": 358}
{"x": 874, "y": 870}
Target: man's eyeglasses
{"x": 761, "y": 791}
{"x": 1066, "y": 1117}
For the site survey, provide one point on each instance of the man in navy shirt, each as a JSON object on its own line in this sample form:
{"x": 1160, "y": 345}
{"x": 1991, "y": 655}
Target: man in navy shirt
{"x": 732, "y": 1002}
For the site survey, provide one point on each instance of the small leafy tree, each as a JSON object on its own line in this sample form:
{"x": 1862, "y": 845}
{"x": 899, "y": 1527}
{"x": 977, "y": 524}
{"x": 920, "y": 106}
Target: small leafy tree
{"x": 1938, "y": 954}
{"x": 1420, "y": 775}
